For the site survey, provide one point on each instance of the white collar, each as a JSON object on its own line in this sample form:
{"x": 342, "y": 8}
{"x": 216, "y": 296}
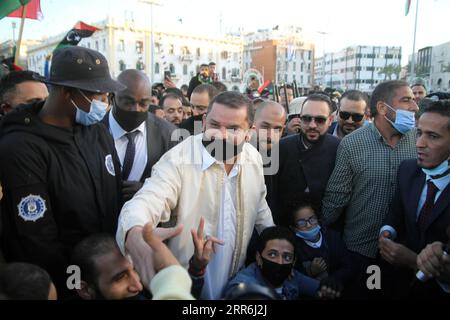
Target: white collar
{"x": 316, "y": 244}
{"x": 117, "y": 131}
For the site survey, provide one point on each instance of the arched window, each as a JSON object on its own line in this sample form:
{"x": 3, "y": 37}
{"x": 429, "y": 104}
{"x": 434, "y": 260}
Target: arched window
{"x": 172, "y": 68}
{"x": 224, "y": 73}
{"x": 157, "y": 68}
{"x": 185, "y": 69}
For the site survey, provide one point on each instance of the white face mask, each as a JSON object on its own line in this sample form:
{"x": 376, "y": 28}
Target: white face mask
{"x": 96, "y": 112}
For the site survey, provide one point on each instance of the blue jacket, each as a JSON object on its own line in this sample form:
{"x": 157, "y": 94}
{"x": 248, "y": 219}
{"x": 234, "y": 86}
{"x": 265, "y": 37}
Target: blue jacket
{"x": 294, "y": 287}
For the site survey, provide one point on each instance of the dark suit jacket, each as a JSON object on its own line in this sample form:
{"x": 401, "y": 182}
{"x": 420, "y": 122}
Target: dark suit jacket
{"x": 403, "y": 211}
{"x": 301, "y": 168}
{"x": 332, "y": 127}
{"x": 159, "y": 133}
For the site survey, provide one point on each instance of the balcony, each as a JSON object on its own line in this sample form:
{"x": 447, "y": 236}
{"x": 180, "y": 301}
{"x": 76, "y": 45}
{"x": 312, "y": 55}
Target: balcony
{"x": 186, "y": 58}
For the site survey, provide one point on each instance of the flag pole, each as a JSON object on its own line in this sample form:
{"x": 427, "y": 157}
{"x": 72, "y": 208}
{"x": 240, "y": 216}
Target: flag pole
{"x": 414, "y": 44}
{"x": 19, "y": 41}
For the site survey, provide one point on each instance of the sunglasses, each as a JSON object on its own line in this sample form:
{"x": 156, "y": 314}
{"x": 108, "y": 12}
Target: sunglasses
{"x": 319, "y": 120}
{"x": 357, "y": 117}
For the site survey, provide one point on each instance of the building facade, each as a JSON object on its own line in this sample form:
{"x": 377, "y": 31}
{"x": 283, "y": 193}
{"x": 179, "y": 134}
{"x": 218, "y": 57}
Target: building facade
{"x": 440, "y": 68}
{"x": 129, "y": 47}
{"x": 358, "y": 67}
{"x": 280, "y": 55}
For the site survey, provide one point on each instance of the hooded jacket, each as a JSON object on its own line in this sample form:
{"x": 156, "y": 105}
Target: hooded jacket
{"x": 60, "y": 185}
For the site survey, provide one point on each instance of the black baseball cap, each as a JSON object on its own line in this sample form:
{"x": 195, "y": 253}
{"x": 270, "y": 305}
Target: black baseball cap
{"x": 81, "y": 68}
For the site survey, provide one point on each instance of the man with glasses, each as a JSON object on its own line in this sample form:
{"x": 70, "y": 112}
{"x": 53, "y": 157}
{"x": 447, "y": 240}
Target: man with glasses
{"x": 200, "y": 98}
{"x": 306, "y": 159}
{"x": 59, "y": 167}
{"x": 364, "y": 180}
{"x": 140, "y": 137}
{"x": 351, "y": 113}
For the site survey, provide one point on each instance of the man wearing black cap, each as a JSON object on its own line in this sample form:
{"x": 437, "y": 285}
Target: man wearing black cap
{"x": 58, "y": 167}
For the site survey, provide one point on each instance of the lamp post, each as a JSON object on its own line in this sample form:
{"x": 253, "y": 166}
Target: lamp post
{"x": 152, "y": 43}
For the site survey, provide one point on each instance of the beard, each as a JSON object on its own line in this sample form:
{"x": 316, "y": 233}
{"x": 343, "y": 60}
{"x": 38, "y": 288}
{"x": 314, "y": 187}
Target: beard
{"x": 221, "y": 149}
{"x": 312, "y": 140}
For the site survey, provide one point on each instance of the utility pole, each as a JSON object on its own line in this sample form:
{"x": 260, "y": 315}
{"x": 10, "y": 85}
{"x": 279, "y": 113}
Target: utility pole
{"x": 152, "y": 43}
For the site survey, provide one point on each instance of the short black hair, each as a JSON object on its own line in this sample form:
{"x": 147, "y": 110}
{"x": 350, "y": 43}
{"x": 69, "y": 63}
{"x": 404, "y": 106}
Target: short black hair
{"x": 24, "y": 281}
{"x": 87, "y": 250}
{"x": 441, "y": 107}
{"x": 212, "y": 91}
{"x": 302, "y": 205}
{"x": 152, "y": 108}
{"x": 385, "y": 91}
{"x": 276, "y": 232}
{"x": 220, "y": 86}
{"x": 203, "y": 65}
{"x": 234, "y": 100}
{"x": 320, "y": 97}
{"x": 184, "y": 87}
{"x": 355, "y": 95}
{"x": 170, "y": 95}
{"x": 212, "y": 63}
{"x": 9, "y": 81}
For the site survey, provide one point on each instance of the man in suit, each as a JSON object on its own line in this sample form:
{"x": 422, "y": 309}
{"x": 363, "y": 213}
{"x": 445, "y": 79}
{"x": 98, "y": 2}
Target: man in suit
{"x": 140, "y": 137}
{"x": 306, "y": 159}
{"x": 420, "y": 212}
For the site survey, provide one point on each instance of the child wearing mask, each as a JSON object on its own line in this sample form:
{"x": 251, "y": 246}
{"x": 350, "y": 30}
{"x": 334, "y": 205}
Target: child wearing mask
{"x": 321, "y": 253}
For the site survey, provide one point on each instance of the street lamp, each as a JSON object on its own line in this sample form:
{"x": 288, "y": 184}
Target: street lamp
{"x": 152, "y": 44}
{"x": 324, "y": 34}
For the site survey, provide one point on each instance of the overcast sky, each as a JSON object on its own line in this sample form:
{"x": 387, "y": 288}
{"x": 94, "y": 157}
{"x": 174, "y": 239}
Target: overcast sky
{"x": 346, "y": 22}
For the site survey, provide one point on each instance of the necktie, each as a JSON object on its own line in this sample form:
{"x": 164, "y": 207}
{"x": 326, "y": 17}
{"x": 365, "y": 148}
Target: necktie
{"x": 428, "y": 205}
{"x": 129, "y": 154}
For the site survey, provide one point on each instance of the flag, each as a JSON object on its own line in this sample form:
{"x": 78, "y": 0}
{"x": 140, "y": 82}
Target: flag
{"x": 79, "y": 31}
{"x": 33, "y": 11}
{"x": 8, "y": 6}
{"x": 407, "y": 5}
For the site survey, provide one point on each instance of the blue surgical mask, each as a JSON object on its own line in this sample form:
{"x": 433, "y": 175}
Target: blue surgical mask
{"x": 404, "y": 120}
{"x": 439, "y": 170}
{"x": 96, "y": 113}
{"x": 309, "y": 235}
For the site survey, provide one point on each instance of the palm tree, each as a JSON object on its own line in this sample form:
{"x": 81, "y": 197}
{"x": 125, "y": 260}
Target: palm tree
{"x": 390, "y": 70}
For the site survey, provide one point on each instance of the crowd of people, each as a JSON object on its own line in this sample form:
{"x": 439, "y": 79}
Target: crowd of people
{"x": 123, "y": 189}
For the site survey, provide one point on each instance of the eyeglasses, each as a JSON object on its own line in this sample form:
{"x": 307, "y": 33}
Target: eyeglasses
{"x": 319, "y": 119}
{"x": 301, "y": 223}
{"x": 357, "y": 117}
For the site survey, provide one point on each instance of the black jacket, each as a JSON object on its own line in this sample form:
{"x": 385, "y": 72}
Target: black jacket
{"x": 159, "y": 140}
{"x": 60, "y": 185}
{"x": 333, "y": 251}
{"x": 303, "y": 174}
{"x": 403, "y": 211}
{"x": 194, "y": 82}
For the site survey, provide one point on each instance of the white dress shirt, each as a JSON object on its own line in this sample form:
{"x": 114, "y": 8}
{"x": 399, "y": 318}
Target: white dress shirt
{"x": 121, "y": 142}
{"x": 219, "y": 267}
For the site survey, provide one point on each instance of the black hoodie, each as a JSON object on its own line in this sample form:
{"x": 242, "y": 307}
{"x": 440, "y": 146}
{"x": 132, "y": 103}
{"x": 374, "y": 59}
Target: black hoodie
{"x": 60, "y": 185}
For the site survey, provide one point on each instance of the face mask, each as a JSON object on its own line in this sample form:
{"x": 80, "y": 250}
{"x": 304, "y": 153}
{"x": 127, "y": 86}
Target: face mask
{"x": 444, "y": 167}
{"x": 275, "y": 273}
{"x": 129, "y": 120}
{"x": 221, "y": 149}
{"x": 96, "y": 112}
{"x": 404, "y": 120}
{"x": 310, "y": 235}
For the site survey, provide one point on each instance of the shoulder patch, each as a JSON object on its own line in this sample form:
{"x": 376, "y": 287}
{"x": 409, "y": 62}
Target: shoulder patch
{"x": 32, "y": 207}
{"x": 110, "y": 165}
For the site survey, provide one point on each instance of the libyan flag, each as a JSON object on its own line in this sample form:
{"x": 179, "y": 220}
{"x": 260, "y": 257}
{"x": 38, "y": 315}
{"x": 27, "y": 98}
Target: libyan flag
{"x": 79, "y": 31}
{"x": 407, "y": 6}
{"x": 13, "y": 8}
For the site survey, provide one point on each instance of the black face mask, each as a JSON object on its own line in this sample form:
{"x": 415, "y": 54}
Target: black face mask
{"x": 129, "y": 120}
{"x": 275, "y": 273}
{"x": 221, "y": 149}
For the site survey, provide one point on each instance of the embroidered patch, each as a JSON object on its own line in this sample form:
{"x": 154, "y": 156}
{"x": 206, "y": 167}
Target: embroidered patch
{"x": 32, "y": 208}
{"x": 110, "y": 165}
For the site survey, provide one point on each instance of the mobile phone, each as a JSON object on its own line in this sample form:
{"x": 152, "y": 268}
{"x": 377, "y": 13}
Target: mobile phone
{"x": 167, "y": 75}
